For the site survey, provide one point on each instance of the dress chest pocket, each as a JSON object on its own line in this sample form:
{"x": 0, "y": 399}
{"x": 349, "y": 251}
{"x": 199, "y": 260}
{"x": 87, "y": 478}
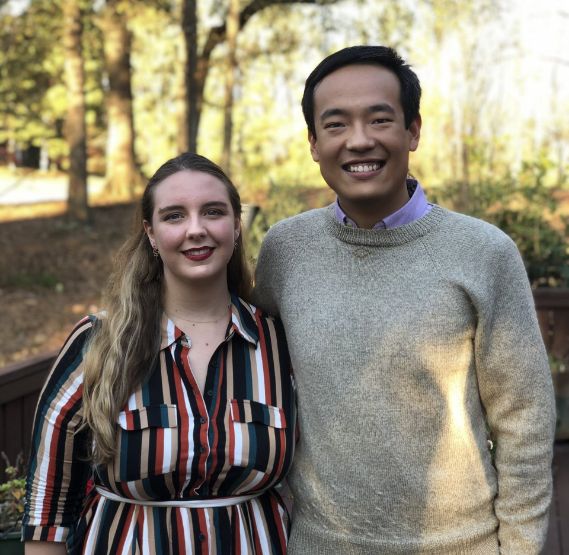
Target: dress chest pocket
{"x": 258, "y": 435}
{"x": 147, "y": 442}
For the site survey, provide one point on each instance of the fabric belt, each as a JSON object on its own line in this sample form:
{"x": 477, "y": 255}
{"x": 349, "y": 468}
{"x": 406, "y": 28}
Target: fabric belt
{"x": 188, "y": 503}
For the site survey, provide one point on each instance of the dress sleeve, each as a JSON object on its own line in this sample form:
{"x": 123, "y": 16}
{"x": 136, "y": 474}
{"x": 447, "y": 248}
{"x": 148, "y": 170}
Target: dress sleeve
{"x": 58, "y": 468}
{"x": 516, "y": 389}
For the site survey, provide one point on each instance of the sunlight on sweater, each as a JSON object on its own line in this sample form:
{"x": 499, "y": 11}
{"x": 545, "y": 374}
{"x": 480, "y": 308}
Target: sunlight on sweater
{"x": 464, "y": 487}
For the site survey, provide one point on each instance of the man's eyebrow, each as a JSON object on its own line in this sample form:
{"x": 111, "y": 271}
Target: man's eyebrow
{"x": 331, "y": 112}
{"x": 381, "y": 107}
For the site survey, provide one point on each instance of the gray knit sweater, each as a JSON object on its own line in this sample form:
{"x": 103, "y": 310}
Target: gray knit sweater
{"x": 405, "y": 343}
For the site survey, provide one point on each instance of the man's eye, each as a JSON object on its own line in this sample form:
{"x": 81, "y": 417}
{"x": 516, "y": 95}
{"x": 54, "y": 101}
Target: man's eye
{"x": 382, "y": 120}
{"x": 333, "y": 125}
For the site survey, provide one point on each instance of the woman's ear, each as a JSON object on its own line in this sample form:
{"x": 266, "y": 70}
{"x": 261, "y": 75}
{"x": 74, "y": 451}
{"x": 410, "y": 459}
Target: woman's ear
{"x": 149, "y": 232}
{"x": 237, "y": 229}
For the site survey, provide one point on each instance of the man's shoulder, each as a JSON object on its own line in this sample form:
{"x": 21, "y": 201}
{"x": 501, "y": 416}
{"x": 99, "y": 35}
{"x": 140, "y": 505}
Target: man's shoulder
{"x": 467, "y": 228}
{"x": 300, "y": 224}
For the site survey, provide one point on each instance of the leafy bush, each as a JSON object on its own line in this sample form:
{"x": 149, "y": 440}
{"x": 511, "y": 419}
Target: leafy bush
{"x": 524, "y": 207}
{"x": 12, "y": 495}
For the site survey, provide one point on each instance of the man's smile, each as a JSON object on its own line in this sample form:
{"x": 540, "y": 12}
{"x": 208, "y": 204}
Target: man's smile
{"x": 364, "y": 167}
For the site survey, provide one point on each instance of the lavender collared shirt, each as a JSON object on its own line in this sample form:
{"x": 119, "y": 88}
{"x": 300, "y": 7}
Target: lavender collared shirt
{"x": 416, "y": 207}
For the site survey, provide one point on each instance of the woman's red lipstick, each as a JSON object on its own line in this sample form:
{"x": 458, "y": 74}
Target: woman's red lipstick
{"x": 200, "y": 254}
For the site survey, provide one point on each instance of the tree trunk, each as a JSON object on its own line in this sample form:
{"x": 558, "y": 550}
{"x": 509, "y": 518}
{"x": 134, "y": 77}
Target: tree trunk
{"x": 122, "y": 174}
{"x": 75, "y": 125}
{"x": 193, "y": 111}
{"x": 197, "y": 64}
{"x": 232, "y": 27}
{"x": 182, "y": 108}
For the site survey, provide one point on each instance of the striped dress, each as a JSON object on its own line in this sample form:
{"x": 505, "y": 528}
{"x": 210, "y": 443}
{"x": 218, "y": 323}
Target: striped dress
{"x": 174, "y": 442}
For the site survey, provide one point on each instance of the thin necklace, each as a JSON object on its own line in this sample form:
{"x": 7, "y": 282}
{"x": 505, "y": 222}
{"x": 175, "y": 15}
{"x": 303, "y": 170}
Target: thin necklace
{"x": 194, "y": 322}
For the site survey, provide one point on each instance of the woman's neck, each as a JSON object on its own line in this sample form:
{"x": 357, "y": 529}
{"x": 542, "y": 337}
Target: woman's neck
{"x": 200, "y": 302}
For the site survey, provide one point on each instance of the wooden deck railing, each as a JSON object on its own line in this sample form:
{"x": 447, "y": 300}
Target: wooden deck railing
{"x": 557, "y": 542}
{"x": 20, "y": 385}
{"x": 552, "y": 307}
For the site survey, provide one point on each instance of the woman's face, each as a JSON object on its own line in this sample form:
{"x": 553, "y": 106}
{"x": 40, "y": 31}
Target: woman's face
{"x": 194, "y": 227}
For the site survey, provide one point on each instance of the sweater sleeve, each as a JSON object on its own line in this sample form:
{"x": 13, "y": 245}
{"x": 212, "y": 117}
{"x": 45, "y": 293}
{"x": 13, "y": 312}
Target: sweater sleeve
{"x": 267, "y": 277}
{"x": 516, "y": 389}
{"x": 58, "y": 469}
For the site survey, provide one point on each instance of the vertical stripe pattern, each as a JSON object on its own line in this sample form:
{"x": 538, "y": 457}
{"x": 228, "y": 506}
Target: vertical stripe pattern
{"x": 174, "y": 442}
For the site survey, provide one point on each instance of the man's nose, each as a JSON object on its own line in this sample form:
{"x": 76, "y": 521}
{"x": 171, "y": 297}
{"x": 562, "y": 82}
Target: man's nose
{"x": 360, "y": 138}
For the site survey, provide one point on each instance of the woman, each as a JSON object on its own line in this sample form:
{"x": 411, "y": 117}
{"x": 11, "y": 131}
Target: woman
{"x": 177, "y": 402}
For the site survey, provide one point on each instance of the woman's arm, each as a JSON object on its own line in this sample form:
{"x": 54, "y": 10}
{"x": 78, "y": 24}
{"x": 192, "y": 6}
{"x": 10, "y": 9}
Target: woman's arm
{"x": 58, "y": 468}
{"x": 45, "y": 548}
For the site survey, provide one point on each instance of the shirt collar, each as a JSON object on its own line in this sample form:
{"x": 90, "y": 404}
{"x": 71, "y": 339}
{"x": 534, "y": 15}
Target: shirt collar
{"x": 416, "y": 207}
{"x": 243, "y": 323}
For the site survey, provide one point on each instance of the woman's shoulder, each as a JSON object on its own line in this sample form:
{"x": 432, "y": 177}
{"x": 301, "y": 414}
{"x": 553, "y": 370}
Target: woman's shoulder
{"x": 66, "y": 373}
{"x": 271, "y": 321}
{"x": 258, "y": 316}
{"x": 83, "y": 328}
{"x": 78, "y": 339}
{"x": 257, "y": 312}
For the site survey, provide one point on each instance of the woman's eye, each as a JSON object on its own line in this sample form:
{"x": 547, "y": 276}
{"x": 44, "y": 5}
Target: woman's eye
{"x": 172, "y": 217}
{"x": 213, "y": 212}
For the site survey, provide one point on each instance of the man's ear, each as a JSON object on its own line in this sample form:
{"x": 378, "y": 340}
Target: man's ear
{"x": 414, "y": 133}
{"x": 313, "y": 147}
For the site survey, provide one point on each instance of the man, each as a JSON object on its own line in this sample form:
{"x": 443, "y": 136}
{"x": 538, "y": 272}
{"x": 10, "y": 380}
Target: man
{"x": 414, "y": 341}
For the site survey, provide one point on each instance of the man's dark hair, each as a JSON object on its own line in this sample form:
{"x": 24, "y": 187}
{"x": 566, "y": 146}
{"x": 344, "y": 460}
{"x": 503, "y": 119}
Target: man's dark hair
{"x": 410, "y": 88}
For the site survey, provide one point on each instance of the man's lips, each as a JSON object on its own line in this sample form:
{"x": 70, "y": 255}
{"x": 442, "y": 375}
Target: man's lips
{"x": 198, "y": 254}
{"x": 364, "y": 167}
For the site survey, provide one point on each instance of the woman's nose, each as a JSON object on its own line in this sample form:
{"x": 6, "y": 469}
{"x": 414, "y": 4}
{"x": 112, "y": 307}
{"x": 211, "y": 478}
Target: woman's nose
{"x": 195, "y": 228}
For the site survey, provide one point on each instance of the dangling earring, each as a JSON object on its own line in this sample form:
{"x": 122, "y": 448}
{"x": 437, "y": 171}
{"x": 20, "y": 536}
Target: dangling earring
{"x": 155, "y": 251}
{"x": 235, "y": 245}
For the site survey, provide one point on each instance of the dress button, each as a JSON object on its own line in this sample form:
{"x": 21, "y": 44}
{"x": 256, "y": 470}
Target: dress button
{"x": 203, "y": 420}
{"x": 209, "y": 393}
{"x": 201, "y": 449}
{"x": 201, "y": 537}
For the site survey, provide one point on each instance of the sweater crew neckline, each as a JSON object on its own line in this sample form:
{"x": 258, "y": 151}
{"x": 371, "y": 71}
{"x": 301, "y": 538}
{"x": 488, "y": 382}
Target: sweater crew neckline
{"x": 383, "y": 237}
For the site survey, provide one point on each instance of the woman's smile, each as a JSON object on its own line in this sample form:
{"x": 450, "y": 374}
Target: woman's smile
{"x": 199, "y": 254}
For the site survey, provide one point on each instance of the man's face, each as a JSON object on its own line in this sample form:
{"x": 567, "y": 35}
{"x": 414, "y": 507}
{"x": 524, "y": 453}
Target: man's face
{"x": 361, "y": 142}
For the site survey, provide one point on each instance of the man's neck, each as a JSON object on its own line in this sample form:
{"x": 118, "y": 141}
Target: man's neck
{"x": 415, "y": 205}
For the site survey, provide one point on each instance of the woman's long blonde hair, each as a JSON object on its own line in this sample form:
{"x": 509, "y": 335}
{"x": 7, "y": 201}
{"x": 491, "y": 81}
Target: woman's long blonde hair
{"x": 125, "y": 343}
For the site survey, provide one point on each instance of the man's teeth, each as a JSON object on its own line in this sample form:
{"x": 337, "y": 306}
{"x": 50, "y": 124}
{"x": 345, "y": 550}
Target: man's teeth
{"x": 355, "y": 168}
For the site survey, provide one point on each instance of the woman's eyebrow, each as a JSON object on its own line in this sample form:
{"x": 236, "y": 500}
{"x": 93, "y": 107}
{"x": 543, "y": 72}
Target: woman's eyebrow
{"x": 215, "y": 203}
{"x": 171, "y": 207}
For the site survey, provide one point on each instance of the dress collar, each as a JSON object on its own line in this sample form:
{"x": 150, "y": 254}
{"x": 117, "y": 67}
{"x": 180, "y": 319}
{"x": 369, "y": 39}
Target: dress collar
{"x": 243, "y": 323}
